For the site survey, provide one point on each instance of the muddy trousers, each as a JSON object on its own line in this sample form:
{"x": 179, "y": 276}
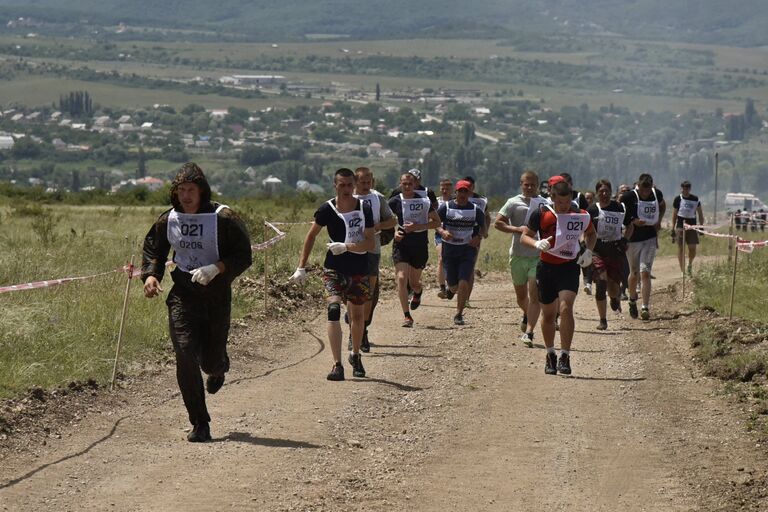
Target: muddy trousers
{"x": 199, "y": 328}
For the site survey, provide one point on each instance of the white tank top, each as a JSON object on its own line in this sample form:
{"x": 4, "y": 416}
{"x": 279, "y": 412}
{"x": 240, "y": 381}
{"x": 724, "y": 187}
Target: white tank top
{"x": 374, "y": 201}
{"x": 609, "y": 224}
{"x": 647, "y": 211}
{"x": 194, "y": 238}
{"x": 415, "y": 210}
{"x": 480, "y": 202}
{"x": 687, "y": 208}
{"x": 354, "y": 224}
{"x": 570, "y": 226}
{"x": 460, "y": 223}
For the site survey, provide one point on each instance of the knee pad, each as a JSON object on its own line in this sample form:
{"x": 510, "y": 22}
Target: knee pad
{"x": 600, "y": 290}
{"x": 334, "y": 312}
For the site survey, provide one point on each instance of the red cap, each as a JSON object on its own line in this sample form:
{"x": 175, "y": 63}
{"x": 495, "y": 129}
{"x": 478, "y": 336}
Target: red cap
{"x": 554, "y": 180}
{"x": 463, "y": 184}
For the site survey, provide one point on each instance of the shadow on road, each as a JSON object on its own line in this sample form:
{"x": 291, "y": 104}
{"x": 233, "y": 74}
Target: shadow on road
{"x": 401, "y": 387}
{"x": 245, "y": 437}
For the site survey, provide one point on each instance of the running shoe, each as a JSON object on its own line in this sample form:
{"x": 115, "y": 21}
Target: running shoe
{"x": 365, "y": 345}
{"x": 524, "y": 323}
{"x": 200, "y": 433}
{"x": 603, "y": 325}
{"x": 442, "y": 293}
{"x": 615, "y": 304}
{"x": 564, "y": 364}
{"x": 588, "y": 288}
{"x": 550, "y": 368}
{"x": 527, "y": 339}
{"x": 213, "y": 383}
{"x": 644, "y": 313}
{"x": 633, "y": 308}
{"x": 356, "y": 360}
{"x": 337, "y": 372}
{"x": 458, "y": 319}
{"x": 416, "y": 300}
{"x": 449, "y": 294}
{"x": 408, "y": 321}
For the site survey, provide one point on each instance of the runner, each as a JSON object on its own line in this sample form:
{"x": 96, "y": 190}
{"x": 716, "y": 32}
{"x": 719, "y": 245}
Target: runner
{"x": 580, "y": 201}
{"x": 685, "y": 208}
{"x": 645, "y": 208}
{"x": 418, "y": 189}
{"x": 512, "y": 218}
{"x": 482, "y": 203}
{"x": 559, "y": 228}
{"x": 211, "y": 248}
{"x": 383, "y": 218}
{"x": 446, "y": 194}
{"x": 350, "y": 226}
{"x": 410, "y": 250}
{"x": 608, "y": 259}
{"x": 461, "y": 231}
{"x": 623, "y": 189}
{"x": 763, "y": 217}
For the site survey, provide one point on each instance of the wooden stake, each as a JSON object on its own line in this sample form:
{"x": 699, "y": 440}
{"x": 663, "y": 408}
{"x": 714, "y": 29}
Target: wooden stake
{"x": 266, "y": 280}
{"x": 733, "y": 281}
{"x": 122, "y": 323}
{"x": 684, "y": 266}
{"x": 730, "y": 239}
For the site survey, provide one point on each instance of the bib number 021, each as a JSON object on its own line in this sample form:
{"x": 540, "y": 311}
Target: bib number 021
{"x": 575, "y": 225}
{"x": 192, "y": 230}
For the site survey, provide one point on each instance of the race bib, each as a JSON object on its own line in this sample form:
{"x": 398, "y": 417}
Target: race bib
{"x": 535, "y": 204}
{"x": 648, "y": 211}
{"x": 354, "y": 225}
{"x": 194, "y": 239}
{"x": 687, "y": 208}
{"x": 415, "y": 210}
{"x": 570, "y": 226}
{"x": 609, "y": 225}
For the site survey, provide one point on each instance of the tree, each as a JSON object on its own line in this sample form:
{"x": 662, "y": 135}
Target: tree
{"x": 76, "y": 104}
{"x": 468, "y": 133}
{"x": 750, "y": 114}
{"x": 378, "y": 92}
{"x": 75, "y": 181}
{"x": 141, "y": 167}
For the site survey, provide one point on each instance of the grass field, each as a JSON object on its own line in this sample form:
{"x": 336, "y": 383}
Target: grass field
{"x": 43, "y": 90}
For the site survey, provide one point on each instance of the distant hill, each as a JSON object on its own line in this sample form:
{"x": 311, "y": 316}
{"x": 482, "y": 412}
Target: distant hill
{"x": 741, "y": 22}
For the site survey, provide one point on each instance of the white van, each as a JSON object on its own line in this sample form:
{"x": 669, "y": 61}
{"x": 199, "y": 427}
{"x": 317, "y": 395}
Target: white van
{"x": 744, "y": 202}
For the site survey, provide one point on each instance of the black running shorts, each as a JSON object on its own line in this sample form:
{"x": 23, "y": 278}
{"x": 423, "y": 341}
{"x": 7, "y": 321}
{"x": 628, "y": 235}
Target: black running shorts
{"x": 553, "y": 278}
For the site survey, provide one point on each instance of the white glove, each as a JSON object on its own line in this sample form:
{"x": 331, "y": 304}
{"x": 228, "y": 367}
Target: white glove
{"x": 543, "y": 245}
{"x": 585, "y": 259}
{"x": 337, "y": 248}
{"x": 299, "y": 276}
{"x": 205, "y": 275}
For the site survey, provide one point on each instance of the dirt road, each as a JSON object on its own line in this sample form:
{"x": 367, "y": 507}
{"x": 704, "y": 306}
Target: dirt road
{"x": 448, "y": 419}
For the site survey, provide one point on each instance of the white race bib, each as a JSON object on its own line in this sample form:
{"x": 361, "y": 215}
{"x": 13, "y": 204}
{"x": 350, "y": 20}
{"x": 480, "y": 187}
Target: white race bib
{"x": 535, "y": 204}
{"x": 354, "y": 224}
{"x": 687, "y": 208}
{"x": 570, "y": 226}
{"x": 460, "y": 223}
{"x": 374, "y": 201}
{"x": 648, "y": 211}
{"x": 415, "y": 211}
{"x": 194, "y": 238}
{"x": 480, "y": 202}
{"x": 609, "y": 225}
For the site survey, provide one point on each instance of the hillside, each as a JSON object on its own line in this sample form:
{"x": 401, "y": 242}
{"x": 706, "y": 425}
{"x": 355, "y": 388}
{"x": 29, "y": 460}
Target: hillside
{"x": 680, "y": 20}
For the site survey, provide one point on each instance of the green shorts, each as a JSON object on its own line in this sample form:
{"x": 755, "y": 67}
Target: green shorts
{"x": 522, "y": 268}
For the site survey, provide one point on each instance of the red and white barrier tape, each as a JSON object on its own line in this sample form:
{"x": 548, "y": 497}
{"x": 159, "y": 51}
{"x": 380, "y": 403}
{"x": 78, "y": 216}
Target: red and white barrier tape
{"x": 133, "y": 272}
{"x": 55, "y": 282}
{"x": 272, "y": 241}
{"x": 305, "y": 223}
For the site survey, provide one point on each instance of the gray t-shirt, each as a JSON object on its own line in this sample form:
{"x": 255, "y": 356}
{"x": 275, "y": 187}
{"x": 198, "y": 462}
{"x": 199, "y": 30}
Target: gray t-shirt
{"x": 385, "y": 213}
{"x": 516, "y": 210}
